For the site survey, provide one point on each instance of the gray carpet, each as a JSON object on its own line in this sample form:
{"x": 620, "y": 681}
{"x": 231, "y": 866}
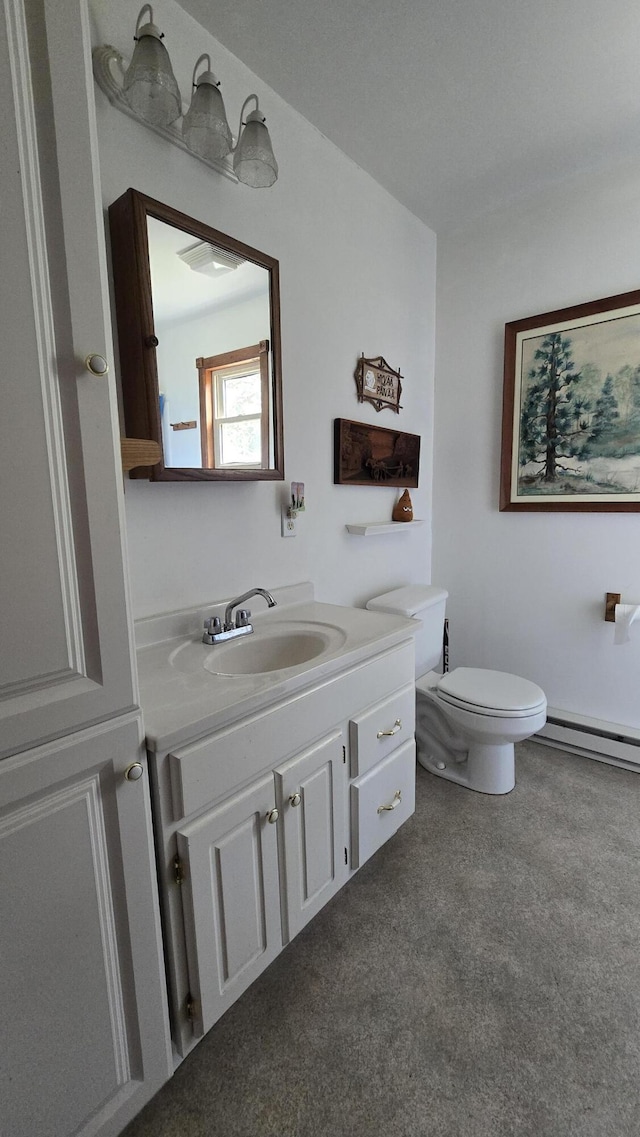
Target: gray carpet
{"x": 479, "y": 977}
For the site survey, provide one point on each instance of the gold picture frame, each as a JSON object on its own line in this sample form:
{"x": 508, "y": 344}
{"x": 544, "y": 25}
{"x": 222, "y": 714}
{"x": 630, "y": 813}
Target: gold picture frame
{"x": 571, "y": 409}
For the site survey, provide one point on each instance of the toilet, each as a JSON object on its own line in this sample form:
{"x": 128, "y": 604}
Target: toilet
{"x": 467, "y": 720}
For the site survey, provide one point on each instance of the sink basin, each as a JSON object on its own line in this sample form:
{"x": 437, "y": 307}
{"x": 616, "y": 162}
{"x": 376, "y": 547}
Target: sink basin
{"x": 276, "y": 646}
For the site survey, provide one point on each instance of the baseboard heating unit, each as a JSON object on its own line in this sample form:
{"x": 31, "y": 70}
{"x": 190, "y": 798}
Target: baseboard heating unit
{"x": 592, "y": 738}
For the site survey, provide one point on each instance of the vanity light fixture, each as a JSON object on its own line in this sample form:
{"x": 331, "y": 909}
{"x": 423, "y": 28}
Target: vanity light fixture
{"x": 204, "y": 127}
{"x": 253, "y": 158}
{"x": 206, "y": 132}
{"x": 147, "y": 91}
{"x": 149, "y": 85}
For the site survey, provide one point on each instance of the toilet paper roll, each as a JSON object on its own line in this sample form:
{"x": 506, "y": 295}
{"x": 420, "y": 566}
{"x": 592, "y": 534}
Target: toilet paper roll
{"x": 626, "y": 615}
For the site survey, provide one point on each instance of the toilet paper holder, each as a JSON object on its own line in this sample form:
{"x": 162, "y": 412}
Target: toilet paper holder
{"x": 611, "y": 599}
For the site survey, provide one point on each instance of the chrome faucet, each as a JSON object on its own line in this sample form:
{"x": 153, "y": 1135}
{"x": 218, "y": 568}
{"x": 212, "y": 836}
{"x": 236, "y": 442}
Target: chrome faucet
{"x": 214, "y": 633}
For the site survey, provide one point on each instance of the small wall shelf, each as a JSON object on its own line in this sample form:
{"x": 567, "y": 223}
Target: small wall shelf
{"x": 373, "y": 528}
{"x": 139, "y": 452}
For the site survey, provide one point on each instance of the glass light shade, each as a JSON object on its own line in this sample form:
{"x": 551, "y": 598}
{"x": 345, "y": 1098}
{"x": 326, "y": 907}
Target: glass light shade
{"x": 253, "y": 159}
{"x": 205, "y": 128}
{"x": 149, "y": 85}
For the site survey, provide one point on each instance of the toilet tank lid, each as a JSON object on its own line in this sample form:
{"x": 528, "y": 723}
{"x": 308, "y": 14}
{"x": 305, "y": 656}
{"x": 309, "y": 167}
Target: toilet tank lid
{"x": 408, "y": 601}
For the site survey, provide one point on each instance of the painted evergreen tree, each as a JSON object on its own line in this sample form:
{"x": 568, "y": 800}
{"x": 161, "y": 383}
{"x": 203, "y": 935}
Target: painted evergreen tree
{"x": 606, "y": 411}
{"x": 552, "y": 423}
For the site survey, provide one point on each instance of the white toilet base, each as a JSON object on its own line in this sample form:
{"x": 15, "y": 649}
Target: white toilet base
{"x": 488, "y": 769}
{"x": 474, "y": 750}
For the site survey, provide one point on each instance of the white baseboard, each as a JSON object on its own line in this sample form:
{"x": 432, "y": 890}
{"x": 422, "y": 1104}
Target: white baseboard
{"x": 614, "y": 743}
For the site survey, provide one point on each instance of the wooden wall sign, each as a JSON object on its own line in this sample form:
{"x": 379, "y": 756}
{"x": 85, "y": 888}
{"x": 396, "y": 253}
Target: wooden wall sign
{"x": 378, "y": 383}
{"x": 366, "y": 455}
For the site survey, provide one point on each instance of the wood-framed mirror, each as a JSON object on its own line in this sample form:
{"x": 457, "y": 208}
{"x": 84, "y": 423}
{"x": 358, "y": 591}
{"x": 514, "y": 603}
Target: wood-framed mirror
{"x": 198, "y": 317}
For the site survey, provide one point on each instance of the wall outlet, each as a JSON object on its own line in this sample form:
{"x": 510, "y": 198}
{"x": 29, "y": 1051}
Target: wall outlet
{"x": 289, "y": 524}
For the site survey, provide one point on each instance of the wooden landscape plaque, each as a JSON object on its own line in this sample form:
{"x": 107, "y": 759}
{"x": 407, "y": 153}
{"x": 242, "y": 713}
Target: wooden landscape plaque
{"x": 366, "y": 455}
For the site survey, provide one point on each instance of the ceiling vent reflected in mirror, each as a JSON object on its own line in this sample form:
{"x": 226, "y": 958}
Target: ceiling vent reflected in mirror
{"x": 210, "y": 259}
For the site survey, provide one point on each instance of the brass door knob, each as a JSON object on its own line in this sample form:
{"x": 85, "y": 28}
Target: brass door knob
{"x": 272, "y": 816}
{"x": 295, "y": 799}
{"x": 96, "y": 364}
{"x": 134, "y": 771}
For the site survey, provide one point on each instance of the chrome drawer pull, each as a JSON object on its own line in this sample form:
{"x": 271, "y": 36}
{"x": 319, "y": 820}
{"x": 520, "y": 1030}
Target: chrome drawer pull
{"x": 396, "y": 801}
{"x": 394, "y": 730}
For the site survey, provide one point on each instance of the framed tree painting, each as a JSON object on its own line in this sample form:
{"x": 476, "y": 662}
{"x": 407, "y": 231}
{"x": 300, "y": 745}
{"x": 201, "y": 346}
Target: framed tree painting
{"x": 571, "y": 409}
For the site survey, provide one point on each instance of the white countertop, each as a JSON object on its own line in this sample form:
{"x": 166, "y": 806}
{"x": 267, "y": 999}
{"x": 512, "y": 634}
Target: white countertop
{"x": 183, "y": 703}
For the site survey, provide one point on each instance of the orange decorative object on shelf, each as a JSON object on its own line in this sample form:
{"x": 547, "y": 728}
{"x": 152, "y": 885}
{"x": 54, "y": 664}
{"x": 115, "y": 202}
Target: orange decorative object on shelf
{"x": 403, "y": 509}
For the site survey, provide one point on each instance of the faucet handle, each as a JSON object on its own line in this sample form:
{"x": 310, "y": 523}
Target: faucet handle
{"x": 243, "y": 616}
{"x": 213, "y": 625}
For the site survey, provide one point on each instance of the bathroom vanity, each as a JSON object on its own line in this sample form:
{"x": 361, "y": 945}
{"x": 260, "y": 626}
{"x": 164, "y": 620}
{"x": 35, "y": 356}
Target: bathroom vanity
{"x": 271, "y": 787}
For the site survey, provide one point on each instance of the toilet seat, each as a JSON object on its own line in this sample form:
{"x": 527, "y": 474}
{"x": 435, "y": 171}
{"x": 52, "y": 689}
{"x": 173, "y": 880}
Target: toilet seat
{"x": 492, "y": 693}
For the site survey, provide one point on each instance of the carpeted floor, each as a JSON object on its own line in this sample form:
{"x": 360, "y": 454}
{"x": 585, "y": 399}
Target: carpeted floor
{"x": 479, "y": 977}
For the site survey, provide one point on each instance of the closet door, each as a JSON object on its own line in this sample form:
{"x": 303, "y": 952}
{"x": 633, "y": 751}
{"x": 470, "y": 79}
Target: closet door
{"x": 66, "y": 657}
{"x": 84, "y": 1037}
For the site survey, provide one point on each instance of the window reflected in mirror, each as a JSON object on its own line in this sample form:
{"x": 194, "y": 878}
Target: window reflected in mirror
{"x": 234, "y": 409}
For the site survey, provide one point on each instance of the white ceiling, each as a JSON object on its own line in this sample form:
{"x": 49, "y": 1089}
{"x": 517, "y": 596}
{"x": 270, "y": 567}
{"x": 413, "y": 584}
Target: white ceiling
{"x": 455, "y": 106}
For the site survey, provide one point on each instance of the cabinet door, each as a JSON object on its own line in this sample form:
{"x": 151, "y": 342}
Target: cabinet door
{"x": 85, "y": 1027}
{"x": 231, "y": 899}
{"x": 311, "y": 791}
{"x": 66, "y": 658}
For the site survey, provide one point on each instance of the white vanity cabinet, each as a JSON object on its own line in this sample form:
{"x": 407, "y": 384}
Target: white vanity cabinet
{"x": 256, "y": 869}
{"x": 260, "y": 823}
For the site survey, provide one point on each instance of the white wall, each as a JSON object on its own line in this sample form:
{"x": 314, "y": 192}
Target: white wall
{"x": 357, "y": 274}
{"x": 527, "y": 589}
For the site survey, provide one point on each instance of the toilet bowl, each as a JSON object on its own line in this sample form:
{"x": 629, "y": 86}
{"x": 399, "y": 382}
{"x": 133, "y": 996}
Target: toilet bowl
{"x": 467, "y": 720}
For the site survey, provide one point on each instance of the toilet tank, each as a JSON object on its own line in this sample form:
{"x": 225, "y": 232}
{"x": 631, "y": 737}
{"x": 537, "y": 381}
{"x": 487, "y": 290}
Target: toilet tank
{"x": 424, "y": 602}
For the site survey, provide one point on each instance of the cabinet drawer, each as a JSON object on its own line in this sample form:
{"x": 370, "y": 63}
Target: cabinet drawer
{"x": 392, "y": 783}
{"x": 381, "y": 729}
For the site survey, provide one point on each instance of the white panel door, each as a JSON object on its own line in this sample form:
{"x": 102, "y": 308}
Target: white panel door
{"x": 66, "y": 657}
{"x": 231, "y": 899}
{"x": 311, "y": 792}
{"x": 84, "y": 1022}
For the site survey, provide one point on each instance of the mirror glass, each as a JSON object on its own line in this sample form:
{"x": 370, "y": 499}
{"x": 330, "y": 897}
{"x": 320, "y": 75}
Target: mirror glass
{"x": 212, "y": 321}
{"x": 209, "y": 326}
